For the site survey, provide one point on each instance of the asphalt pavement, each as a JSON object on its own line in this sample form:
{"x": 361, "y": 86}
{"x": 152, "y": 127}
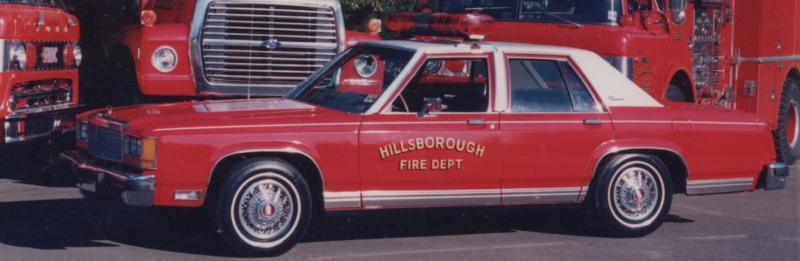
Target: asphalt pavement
{"x": 50, "y": 220}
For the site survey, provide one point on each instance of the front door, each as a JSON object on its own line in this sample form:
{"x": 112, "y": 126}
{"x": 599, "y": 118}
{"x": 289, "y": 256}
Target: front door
{"x": 435, "y": 144}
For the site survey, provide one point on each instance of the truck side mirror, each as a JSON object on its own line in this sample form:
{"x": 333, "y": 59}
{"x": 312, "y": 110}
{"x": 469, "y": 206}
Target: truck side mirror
{"x": 678, "y": 9}
{"x": 431, "y": 105}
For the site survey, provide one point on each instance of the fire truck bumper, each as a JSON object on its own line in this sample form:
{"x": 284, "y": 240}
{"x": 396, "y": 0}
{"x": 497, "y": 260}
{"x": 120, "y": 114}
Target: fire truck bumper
{"x": 776, "y": 176}
{"x": 27, "y": 126}
{"x": 104, "y": 182}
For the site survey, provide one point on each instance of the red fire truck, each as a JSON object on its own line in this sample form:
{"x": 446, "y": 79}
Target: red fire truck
{"x": 734, "y": 54}
{"x": 39, "y": 58}
{"x": 203, "y": 48}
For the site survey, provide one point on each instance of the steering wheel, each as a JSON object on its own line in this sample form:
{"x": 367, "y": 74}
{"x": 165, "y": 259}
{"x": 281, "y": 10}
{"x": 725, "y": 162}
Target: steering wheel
{"x": 405, "y": 105}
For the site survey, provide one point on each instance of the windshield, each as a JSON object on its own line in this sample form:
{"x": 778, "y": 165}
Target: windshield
{"x": 354, "y": 80}
{"x": 48, "y": 3}
{"x": 544, "y": 11}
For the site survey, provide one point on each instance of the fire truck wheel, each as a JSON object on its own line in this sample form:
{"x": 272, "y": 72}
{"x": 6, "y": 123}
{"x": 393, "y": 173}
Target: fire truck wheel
{"x": 789, "y": 122}
{"x": 633, "y": 194}
{"x": 675, "y": 94}
{"x": 264, "y": 207}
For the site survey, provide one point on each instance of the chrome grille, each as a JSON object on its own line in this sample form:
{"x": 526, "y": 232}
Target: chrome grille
{"x": 105, "y": 143}
{"x": 236, "y": 34}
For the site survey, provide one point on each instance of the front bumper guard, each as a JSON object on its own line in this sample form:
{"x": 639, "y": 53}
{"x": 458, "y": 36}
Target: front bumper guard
{"x": 776, "y": 176}
{"x": 133, "y": 189}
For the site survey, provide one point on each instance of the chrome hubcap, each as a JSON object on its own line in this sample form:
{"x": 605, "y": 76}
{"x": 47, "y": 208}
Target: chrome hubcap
{"x": 265, "y": 209}
{"x": 635, "y": 194}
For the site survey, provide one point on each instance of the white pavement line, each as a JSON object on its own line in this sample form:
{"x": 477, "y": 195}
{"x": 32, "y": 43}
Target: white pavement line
{"x": 699, "y": 209}
{"x": 433, "y": 251}
{"x": 715, "y": 237}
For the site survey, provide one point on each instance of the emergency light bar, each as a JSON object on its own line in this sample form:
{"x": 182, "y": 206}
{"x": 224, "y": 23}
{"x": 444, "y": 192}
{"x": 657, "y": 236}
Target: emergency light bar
{"x": 472, "y": 26}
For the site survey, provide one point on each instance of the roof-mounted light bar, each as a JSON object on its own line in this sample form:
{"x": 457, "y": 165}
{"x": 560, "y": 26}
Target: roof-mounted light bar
{"x": 472, "y": 26}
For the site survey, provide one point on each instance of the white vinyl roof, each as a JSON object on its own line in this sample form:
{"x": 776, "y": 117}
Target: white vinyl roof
{"x": 612, "y": 87}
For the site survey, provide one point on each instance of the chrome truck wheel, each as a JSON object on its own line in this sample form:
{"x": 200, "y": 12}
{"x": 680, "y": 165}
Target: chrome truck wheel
{"x": 264, "y": 207}
{"x": 633, "y": 194}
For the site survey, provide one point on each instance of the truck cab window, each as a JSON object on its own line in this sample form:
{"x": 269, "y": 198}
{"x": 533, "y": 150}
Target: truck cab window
{"x": 639, "y": 5}
{"x": 462, "y": 85}
{"x": 547, "y": 86}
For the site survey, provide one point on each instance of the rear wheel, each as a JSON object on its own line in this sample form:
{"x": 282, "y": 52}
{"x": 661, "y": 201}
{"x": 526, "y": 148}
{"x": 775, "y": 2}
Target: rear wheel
{"x": 633, "y": 194}
{"x": 674, "y": 93}
{"x": 264, "y": 207}
{"x": 788, "y": 131}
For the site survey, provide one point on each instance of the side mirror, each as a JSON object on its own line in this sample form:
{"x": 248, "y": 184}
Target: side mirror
{"x": 431, "y": 105}
{"x": 678, "y": 8}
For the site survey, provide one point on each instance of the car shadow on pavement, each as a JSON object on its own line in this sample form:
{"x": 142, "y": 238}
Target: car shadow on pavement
{"x": 75, "y": 223}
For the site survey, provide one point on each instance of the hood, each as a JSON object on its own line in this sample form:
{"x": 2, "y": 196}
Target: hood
{"x": 31, "y": 22}
{"x": 188, "y": 115}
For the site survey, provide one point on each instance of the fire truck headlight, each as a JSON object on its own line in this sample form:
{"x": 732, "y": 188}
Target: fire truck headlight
{"x": 622, "y": 63}
{"x": 19, "y": 56}
{"x": 366, "y": 66}
{"x": 165, "y": 59}
{"x": 77, "y": 53}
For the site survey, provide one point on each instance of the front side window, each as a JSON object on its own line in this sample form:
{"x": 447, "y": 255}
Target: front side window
{"x": 547, "y": 86}
{"x": 460, "y": 85}
{"x": 499, "y": 9}
{"x": 354, "y": 80}
{"x": 577, "y": 11}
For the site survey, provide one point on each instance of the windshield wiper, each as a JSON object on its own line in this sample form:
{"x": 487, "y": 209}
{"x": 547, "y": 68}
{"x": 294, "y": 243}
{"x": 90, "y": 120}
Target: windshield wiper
{"x": 544, "y": 11}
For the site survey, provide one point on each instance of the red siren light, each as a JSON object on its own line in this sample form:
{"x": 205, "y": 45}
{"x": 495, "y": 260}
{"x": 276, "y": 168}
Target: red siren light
{"x": 473, "y": 26}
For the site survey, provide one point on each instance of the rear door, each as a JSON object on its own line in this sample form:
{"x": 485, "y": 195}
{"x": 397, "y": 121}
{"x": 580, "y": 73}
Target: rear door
{"x": 553, "y": 126}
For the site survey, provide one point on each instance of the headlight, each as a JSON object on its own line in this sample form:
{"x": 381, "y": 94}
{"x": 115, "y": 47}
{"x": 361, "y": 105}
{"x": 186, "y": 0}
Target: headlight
{"x": 19, "y": 56}
{"x": 77, "y": 53}
{"x": 82, "y": 132}
{"x": 366, "y": 66}
{"x": 140, "y": 152}
{"x": 165, "y": 59}
{"x": 433, "y": 66}
{"x": 622, "y": 63}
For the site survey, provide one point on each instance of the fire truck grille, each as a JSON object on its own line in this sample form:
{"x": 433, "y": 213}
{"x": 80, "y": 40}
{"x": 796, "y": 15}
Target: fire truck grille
{"x": 105, "y": 143}
{"x": 266, "y": 44}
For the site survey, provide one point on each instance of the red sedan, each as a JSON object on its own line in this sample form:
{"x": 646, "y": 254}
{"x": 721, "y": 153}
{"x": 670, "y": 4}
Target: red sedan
{"x": 411, "y": 124}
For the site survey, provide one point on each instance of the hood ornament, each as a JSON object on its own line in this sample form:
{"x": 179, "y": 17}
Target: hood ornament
{"x": 109, "y": 110}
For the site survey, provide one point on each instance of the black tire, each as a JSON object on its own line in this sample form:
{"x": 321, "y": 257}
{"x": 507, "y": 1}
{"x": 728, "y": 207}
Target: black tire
{"x": 608, "y": 206}
{"x": 675, "y": 94}
{"x": 238, "y": 192}
{"x": 790, "y": 97}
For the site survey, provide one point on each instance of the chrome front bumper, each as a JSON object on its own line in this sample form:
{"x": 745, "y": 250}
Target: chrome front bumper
{"x": 24, "y": 126}
{"x": 132, "y": 188}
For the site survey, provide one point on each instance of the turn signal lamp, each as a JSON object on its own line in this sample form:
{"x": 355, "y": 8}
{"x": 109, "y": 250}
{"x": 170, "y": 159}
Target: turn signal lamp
{"x": 148, "y": 160}
{"x": 140, "y": 152}
{"x": 472, "y": 26}
{"x": 32, "y": 56}
{"x": 149, "y": 18}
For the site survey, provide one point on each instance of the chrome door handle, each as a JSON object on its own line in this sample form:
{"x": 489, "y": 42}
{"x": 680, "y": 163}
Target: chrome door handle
{"x": 476, "y": 122}
{"x": 592, "y": 122}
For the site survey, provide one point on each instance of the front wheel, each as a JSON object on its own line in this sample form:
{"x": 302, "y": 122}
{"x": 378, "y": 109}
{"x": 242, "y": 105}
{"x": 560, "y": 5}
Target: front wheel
{"x": 786, "y": 138}
{"x": 633, "y": 194}
{"x": 264, "y": 207}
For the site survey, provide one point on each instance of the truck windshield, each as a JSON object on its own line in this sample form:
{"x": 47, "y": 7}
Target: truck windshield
{"x": 354, "y": 80}
{"x": 543, "y": 11}
{"x": 48, "y": 3}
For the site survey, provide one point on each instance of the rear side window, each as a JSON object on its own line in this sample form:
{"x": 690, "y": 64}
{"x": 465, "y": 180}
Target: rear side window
{"x": 547, "y": 86}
